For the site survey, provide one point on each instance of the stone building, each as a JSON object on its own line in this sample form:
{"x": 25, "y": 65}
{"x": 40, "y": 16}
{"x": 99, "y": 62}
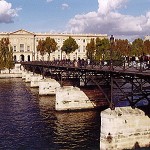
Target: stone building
{"x": 25, "y": 43}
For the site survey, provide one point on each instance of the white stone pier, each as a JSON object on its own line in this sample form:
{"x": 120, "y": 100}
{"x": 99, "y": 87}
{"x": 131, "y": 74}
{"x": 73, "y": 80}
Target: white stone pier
{"x": 48, "y": 86}
{"x": 28, "y": 76}
{"x": 35, "y": 79}
{"x": 24, "y": 75}
{"x": 124, "y": 128}
{"x": 72, "y": 98}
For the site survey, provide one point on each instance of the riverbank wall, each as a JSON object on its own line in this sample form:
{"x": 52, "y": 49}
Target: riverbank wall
{"x": 13, "y": 73}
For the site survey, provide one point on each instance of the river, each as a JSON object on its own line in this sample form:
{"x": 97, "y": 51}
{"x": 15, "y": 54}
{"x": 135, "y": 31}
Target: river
{"x": 29, "y": 122}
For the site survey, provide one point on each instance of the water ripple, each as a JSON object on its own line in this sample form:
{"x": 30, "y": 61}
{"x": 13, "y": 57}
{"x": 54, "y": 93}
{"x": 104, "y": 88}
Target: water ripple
{"x": 29, "y": 122}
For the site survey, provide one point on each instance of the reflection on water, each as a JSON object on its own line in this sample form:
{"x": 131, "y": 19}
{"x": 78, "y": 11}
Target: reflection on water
{"x": 30, "y": 122}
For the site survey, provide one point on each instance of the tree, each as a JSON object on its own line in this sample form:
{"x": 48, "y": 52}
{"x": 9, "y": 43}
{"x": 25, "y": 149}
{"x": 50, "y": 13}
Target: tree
{"x": 69, "y": 45}
{"x": 146, "y": 48}
{"x": 99, "y": 53}
{"x": 102, "y": 47}
{"x": 91, "y": 47}
{"x": 10, "y": 63}
{"x": 6, "y": 54}
{"x": 41, "y": 48}
{"x": 121, "y": 48}
{"x": 50, "y": 46}
{"x": 137, "y": 47}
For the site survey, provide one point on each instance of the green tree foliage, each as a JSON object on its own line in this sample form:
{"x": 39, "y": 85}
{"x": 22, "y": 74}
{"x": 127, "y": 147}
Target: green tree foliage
{"x": 9, "y": 62}
{"x": 91, "y": 48}
{"x": 146, "y": 48}
{"x": 137, "y": 47}
{"x": 121, "y": 48}
{"x": 6, "y": 54}
{"x": 99, "y": 52}
{"x": 50, "y": 46}
{"x": 41, "y": 48}
{"x": 102, "y": 47}
{"x": 69, "y": 45}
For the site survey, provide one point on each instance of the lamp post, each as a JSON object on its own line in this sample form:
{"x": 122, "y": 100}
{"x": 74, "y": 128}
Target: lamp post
{"x": 111, "y": 68}
{"x": 111, "y": 43}
{"x": 61, "y": 55}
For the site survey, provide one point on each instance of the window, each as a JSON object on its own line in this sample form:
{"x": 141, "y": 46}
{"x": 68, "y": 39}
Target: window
{"x": 15, "y": 48}
{"x": 58, "y": 48}
{"x": 28, "y": 57}
{"x": 84, "y": 48}
{"x": 21, "y": 47}
{"x": 79, "y": 49}
{"x": 15, "y": 58}
{"x": 28, "y": 48}
{"x": 64, "y": 57}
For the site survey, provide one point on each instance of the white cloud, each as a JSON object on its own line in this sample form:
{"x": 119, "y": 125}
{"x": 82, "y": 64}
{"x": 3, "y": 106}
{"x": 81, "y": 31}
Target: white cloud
{"x": 108, "y": 20}
{"x": 64, "y": 6}
{"x": 106, "y": 6}
{"x": 7, "y": 14}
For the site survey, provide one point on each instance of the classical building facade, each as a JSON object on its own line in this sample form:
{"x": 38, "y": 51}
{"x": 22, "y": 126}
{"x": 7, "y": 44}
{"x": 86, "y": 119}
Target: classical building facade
{"x": 25, "y": 43}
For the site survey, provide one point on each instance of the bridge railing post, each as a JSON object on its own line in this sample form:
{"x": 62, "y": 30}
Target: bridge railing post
{"x": 124, "y": 65}
{"x": 141, "y": 67}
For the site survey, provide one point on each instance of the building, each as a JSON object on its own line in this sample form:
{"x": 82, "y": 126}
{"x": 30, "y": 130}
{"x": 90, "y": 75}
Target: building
{"x": 25, "y": 43}
{"x": 147, "y": 37}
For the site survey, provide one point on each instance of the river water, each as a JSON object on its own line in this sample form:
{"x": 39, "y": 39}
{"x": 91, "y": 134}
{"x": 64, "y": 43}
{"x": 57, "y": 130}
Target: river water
{"x": 29, "y": 122}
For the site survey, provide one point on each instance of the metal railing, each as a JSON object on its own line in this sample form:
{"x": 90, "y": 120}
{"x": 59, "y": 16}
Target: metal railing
{"x": 117, "y": 65}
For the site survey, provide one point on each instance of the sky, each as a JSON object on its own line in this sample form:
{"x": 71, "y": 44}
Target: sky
{"x": 122, "y": 18}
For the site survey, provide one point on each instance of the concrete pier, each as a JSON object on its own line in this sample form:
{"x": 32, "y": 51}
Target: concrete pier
{"x": 35, "y": 79}
{"x": 24, "y": 75}
{"x": 72, "y": 98}
{"x": 124, "y": 128}
{"x": 28, "y": 76}
{"x": 48, "y": 86}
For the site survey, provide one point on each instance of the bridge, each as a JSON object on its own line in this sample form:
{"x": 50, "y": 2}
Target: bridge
{"x": 121, "y": 83}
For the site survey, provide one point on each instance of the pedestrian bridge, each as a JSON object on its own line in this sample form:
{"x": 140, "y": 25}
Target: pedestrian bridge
{"x": 121, "y": 83}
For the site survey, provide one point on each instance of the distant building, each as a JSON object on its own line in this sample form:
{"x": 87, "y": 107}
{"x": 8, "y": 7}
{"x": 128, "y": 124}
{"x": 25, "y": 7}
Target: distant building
{"x": 147, "y": 37}
{"x": 25, "y": 43}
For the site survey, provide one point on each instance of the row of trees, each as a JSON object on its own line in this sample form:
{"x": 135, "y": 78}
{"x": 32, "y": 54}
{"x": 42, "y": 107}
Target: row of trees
{"x": 49, "y": 45}
{"x": 6, "y": 54}
{"x": 98, "y": 49}
{"x": 46, "y": 46}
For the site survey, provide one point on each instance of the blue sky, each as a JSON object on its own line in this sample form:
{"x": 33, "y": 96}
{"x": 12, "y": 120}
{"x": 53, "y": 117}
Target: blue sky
{"x": 122, "y": 18}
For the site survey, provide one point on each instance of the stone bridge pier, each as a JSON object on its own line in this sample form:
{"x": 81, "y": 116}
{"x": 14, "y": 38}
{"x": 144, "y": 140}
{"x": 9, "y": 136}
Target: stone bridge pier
{"x": 124, "y": 128}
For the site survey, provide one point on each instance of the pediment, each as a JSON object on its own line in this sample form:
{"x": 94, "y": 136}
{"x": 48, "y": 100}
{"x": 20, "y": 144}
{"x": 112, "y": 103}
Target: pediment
{"x": 21, "y": 32}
